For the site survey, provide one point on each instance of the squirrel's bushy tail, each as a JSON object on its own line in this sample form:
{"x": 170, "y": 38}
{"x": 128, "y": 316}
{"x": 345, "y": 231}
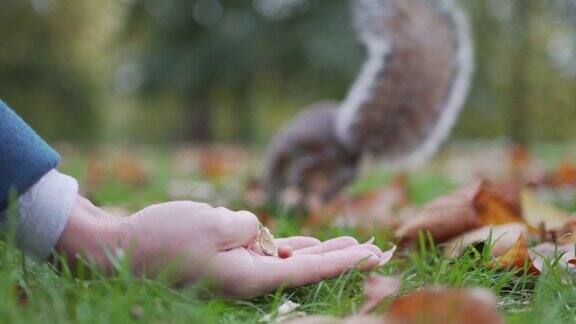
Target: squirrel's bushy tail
{"x": 415, "y": 81}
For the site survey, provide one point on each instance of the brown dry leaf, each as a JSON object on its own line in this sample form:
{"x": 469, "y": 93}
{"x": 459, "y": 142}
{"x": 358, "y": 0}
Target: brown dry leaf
{"x": 376, "y": 289}
{"x": 538, "y": 214}
{"x": 494, "y": 206}
{"x": 264, "y": 243}
{"x": 508, "y": 192}
{"x": 482, "y": 203}
{"x": 445, "y": 217}
{"x": 503, "y": 238}
{"x": 516, "y": 257}
{"x": 445, "y": 306}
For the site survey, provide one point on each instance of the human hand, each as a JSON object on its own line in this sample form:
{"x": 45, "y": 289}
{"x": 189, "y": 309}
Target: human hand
{"x": 198, "y": 242}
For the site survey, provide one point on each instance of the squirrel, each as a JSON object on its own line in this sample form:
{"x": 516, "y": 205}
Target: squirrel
{"x": 402, "y": 105}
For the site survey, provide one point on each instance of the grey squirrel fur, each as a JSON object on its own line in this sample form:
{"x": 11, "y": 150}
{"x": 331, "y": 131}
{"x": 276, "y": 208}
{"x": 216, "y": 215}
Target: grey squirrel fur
{"x": 402, "y": 106}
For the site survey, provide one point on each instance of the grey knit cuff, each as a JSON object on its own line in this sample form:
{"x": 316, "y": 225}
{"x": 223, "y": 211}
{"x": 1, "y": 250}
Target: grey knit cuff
{"x": 43, "y": 213}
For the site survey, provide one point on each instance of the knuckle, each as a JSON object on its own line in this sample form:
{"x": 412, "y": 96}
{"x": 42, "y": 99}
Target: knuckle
{"x": 315, "y": 241}
{"x": 251, "y": 219}
{"x": 224, "y": 229}
{"x": 349, "y": 240}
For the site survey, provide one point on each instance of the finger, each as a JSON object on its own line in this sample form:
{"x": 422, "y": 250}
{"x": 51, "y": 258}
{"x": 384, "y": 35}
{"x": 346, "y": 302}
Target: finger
{"x": 297, "y": 242}
{"x": 330, "y": 245}
{"x": 301, "y": 270}
{"x": 237, "y": 229}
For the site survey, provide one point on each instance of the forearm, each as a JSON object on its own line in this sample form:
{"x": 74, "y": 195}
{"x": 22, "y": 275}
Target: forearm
{"x": 24, "y": 157}
{"x": 44, "y": 196}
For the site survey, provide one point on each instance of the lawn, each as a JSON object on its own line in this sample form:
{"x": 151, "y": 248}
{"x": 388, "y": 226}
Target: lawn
{"x": 33, "y": 293}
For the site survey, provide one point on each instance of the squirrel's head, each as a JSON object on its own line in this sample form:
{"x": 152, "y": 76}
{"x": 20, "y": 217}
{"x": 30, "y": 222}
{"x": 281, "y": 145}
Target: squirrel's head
{"x": 307, "y": 154}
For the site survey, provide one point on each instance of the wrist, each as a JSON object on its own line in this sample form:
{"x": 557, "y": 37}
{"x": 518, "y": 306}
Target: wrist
{"x": 90, "y": 233}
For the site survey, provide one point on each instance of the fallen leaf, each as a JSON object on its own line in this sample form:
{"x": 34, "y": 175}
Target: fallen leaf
{"x": 445, "y": 217}
{"x": 129, "y": 170}
{"x": 493, "y": 207}
{"x": 503, "y": 238}
{"x": 519, "y": 161}
{"x": 516, "y": 257}
{"x": 125, "y": 168}
{"x": 565, "y": 175}
{"x": 507, "y": 192}
{"x": 376, "y": 289}
{"x": 538, "y": 214}
{"x": 218, "y": 163}
{"x": 482, "y": 203}
{"x": 445, "y": 306}
{"x": 213, "y": 165}
{"x": 548, "y": 252}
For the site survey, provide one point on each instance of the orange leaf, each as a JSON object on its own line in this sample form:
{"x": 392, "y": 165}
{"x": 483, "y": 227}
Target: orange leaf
{"x": 503, "y": 237}
{"x": 444, "y": 306}
{"x": 445, "y": 217}
{"x": 493, "y": 209}
{"x": 516, "y": 257}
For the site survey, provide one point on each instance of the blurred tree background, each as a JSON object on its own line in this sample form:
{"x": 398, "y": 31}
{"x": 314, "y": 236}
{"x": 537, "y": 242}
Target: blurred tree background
{"x": 233, "y": 71}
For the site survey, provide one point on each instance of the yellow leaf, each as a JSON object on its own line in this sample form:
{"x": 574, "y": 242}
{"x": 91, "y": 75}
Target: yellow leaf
{"x": 537, "y": 213}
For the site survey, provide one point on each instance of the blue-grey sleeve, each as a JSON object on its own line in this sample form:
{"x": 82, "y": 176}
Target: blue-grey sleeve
{"x": 24, "y": 157}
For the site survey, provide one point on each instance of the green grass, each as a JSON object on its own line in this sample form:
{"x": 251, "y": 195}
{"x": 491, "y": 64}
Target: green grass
{"x": 57, "y": 296}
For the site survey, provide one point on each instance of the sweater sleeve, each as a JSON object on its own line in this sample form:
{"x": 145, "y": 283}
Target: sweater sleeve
{"x": 45, "y": 197}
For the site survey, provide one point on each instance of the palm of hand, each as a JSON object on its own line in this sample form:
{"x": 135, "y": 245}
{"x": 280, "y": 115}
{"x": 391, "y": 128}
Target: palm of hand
{"x": 213, "y": 244}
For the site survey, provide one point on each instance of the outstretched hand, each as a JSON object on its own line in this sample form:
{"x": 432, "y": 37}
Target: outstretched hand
{"x": 199, "y": 242}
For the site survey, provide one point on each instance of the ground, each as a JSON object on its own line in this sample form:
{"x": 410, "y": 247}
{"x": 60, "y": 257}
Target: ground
{"x": 131, "y": 178}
